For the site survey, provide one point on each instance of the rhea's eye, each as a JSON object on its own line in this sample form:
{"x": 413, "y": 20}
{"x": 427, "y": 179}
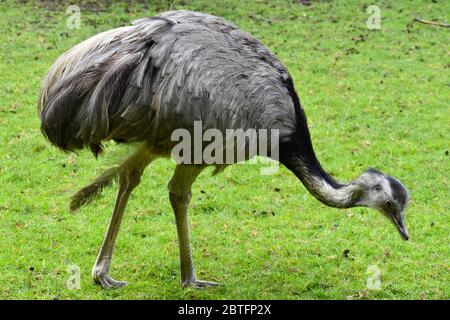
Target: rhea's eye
{"x": 389, "y": 203}
{"x": 378, "y": 188}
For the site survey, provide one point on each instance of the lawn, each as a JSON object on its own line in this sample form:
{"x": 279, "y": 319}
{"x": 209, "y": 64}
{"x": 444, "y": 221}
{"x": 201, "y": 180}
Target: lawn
{"x": 374, "y": 98}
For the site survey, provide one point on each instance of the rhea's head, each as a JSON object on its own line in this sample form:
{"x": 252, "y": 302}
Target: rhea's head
{"x": 385, "y": 194}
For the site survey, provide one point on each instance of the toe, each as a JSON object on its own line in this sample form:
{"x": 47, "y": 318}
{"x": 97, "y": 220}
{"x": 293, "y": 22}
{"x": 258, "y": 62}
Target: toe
{"x": 109, "y": 283}
{"x": 200, "y": 284}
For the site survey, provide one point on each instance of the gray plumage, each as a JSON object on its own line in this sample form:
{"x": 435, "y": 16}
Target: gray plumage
{"x": 139, "y": 83}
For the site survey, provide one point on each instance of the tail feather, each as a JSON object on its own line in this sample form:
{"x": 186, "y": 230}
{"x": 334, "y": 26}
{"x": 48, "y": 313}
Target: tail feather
{"x": 92, "y": 191}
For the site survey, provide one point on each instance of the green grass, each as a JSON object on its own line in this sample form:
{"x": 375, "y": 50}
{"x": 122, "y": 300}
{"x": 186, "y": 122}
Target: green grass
{"x": 373, "y": 98}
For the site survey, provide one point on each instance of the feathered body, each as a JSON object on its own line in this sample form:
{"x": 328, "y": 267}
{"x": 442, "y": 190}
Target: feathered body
{"x": 140, "y": 83}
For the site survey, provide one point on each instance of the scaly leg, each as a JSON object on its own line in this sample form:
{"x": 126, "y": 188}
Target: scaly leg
{"x": 131, "y": 172}
{"x": 180, "y": 195}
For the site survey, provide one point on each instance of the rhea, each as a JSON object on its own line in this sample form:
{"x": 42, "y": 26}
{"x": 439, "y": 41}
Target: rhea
{"x": 138, "y": 84}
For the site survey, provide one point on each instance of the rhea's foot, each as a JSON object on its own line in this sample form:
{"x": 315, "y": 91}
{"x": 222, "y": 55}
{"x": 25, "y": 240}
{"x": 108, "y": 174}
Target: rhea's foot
{"x": 107, "y": 282}
{"x": 199, "y": 284}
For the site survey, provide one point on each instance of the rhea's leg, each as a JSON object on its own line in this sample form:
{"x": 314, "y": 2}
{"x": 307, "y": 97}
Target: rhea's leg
{"x": 131, "y": 172}
{"x": 180, "y": 195}
{"x": 101, "y": 267}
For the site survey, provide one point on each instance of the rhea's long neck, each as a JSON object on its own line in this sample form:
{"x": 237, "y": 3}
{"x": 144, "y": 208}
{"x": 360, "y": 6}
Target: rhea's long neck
{"x": 298, "y": 155}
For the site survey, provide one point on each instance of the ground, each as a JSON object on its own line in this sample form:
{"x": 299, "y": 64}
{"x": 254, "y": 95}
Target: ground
{"x": 373, "y": 98}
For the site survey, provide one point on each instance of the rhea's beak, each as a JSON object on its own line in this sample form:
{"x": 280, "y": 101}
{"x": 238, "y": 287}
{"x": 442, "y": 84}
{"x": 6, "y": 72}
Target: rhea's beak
{"x": 400, "y": 226}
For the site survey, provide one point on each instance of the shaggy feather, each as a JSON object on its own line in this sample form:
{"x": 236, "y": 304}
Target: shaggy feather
{"x": 92, "y": 191}
{"x": 139, "y": 83}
